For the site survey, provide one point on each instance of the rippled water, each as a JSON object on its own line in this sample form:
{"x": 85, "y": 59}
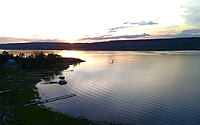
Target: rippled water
{"x": 159, "y": 88}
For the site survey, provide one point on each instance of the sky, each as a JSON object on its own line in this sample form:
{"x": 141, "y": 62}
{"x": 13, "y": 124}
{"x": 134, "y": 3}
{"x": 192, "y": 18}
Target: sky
{"x": 97, "y": 20}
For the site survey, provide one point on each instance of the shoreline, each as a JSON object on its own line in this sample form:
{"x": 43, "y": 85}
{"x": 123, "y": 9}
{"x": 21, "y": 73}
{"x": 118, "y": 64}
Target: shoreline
{"x": 22, "y": 86}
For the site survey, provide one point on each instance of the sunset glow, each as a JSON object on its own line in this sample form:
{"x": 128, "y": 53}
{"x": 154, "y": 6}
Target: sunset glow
{"x": 89, "y": 20}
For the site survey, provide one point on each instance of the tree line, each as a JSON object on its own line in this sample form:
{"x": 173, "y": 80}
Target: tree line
{"x": 32, "y": 61}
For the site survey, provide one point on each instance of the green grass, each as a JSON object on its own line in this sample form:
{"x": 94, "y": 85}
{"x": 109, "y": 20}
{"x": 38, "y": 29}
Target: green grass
{"x": 22, "y": 93}
{"x": 35, "y": 115}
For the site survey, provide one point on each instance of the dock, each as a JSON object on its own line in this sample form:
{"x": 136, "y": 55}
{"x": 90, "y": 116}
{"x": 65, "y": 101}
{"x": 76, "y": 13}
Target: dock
{"x": 51, "y": 99}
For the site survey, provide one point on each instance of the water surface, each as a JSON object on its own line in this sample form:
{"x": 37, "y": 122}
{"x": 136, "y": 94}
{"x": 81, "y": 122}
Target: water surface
{"x": 140, "y": 88}
{"x": 144, "y": 88}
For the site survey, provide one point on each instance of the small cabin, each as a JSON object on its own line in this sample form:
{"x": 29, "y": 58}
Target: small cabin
{"x": 11, "y": 62}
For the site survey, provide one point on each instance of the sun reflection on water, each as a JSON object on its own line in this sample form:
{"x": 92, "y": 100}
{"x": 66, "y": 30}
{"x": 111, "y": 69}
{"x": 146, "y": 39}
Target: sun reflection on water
{"x": 71, "y": 53}
{"x": 89, "y": 56}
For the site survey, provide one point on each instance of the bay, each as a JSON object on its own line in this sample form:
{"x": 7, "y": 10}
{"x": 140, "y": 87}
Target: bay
{"x": 159, "y": 88}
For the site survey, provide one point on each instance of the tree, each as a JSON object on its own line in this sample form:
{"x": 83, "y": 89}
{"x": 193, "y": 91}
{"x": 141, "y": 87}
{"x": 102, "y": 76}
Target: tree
{"x": 21, "y": 55}
{"x": 5, "y": 53}
{"x": 5, "y": 56}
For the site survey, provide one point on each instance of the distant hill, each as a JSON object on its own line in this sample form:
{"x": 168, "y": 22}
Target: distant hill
{"x": 126, "y": 45}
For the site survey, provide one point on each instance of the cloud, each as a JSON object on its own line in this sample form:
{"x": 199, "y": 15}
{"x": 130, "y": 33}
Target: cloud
{"x": 191, "y": 14}
{"x": 142, "y": 23}
{"x": 111, "y": 30}
{"x": 130, "y": 24}
{"x": 109, "y": 37}
{"x": 116, "y": 28}
{"x": 185, "y": 33}
{"x": 193, "y": 32}
{"x": 126, "y": 22}
{"x": 13, "y": 40}
{"x": 25, "y": 40}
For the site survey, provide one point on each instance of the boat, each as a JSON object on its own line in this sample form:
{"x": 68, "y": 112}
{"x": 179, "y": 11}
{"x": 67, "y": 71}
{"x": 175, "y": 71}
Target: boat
{"x": 62, "y": 82}
{"x": 61, "y": 77}
{"x": 52, "y": 82}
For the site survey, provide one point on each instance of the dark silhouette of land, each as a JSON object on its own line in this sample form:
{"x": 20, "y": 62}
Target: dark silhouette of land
{"x": 38, "y": 60}
{"x": 126, "y": 45}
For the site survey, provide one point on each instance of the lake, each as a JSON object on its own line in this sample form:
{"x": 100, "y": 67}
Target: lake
{"x": 141, "y": 88}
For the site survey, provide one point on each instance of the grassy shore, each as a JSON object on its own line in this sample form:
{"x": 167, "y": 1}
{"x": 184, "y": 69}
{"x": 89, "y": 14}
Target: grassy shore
{"x": 12, "y": 110}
